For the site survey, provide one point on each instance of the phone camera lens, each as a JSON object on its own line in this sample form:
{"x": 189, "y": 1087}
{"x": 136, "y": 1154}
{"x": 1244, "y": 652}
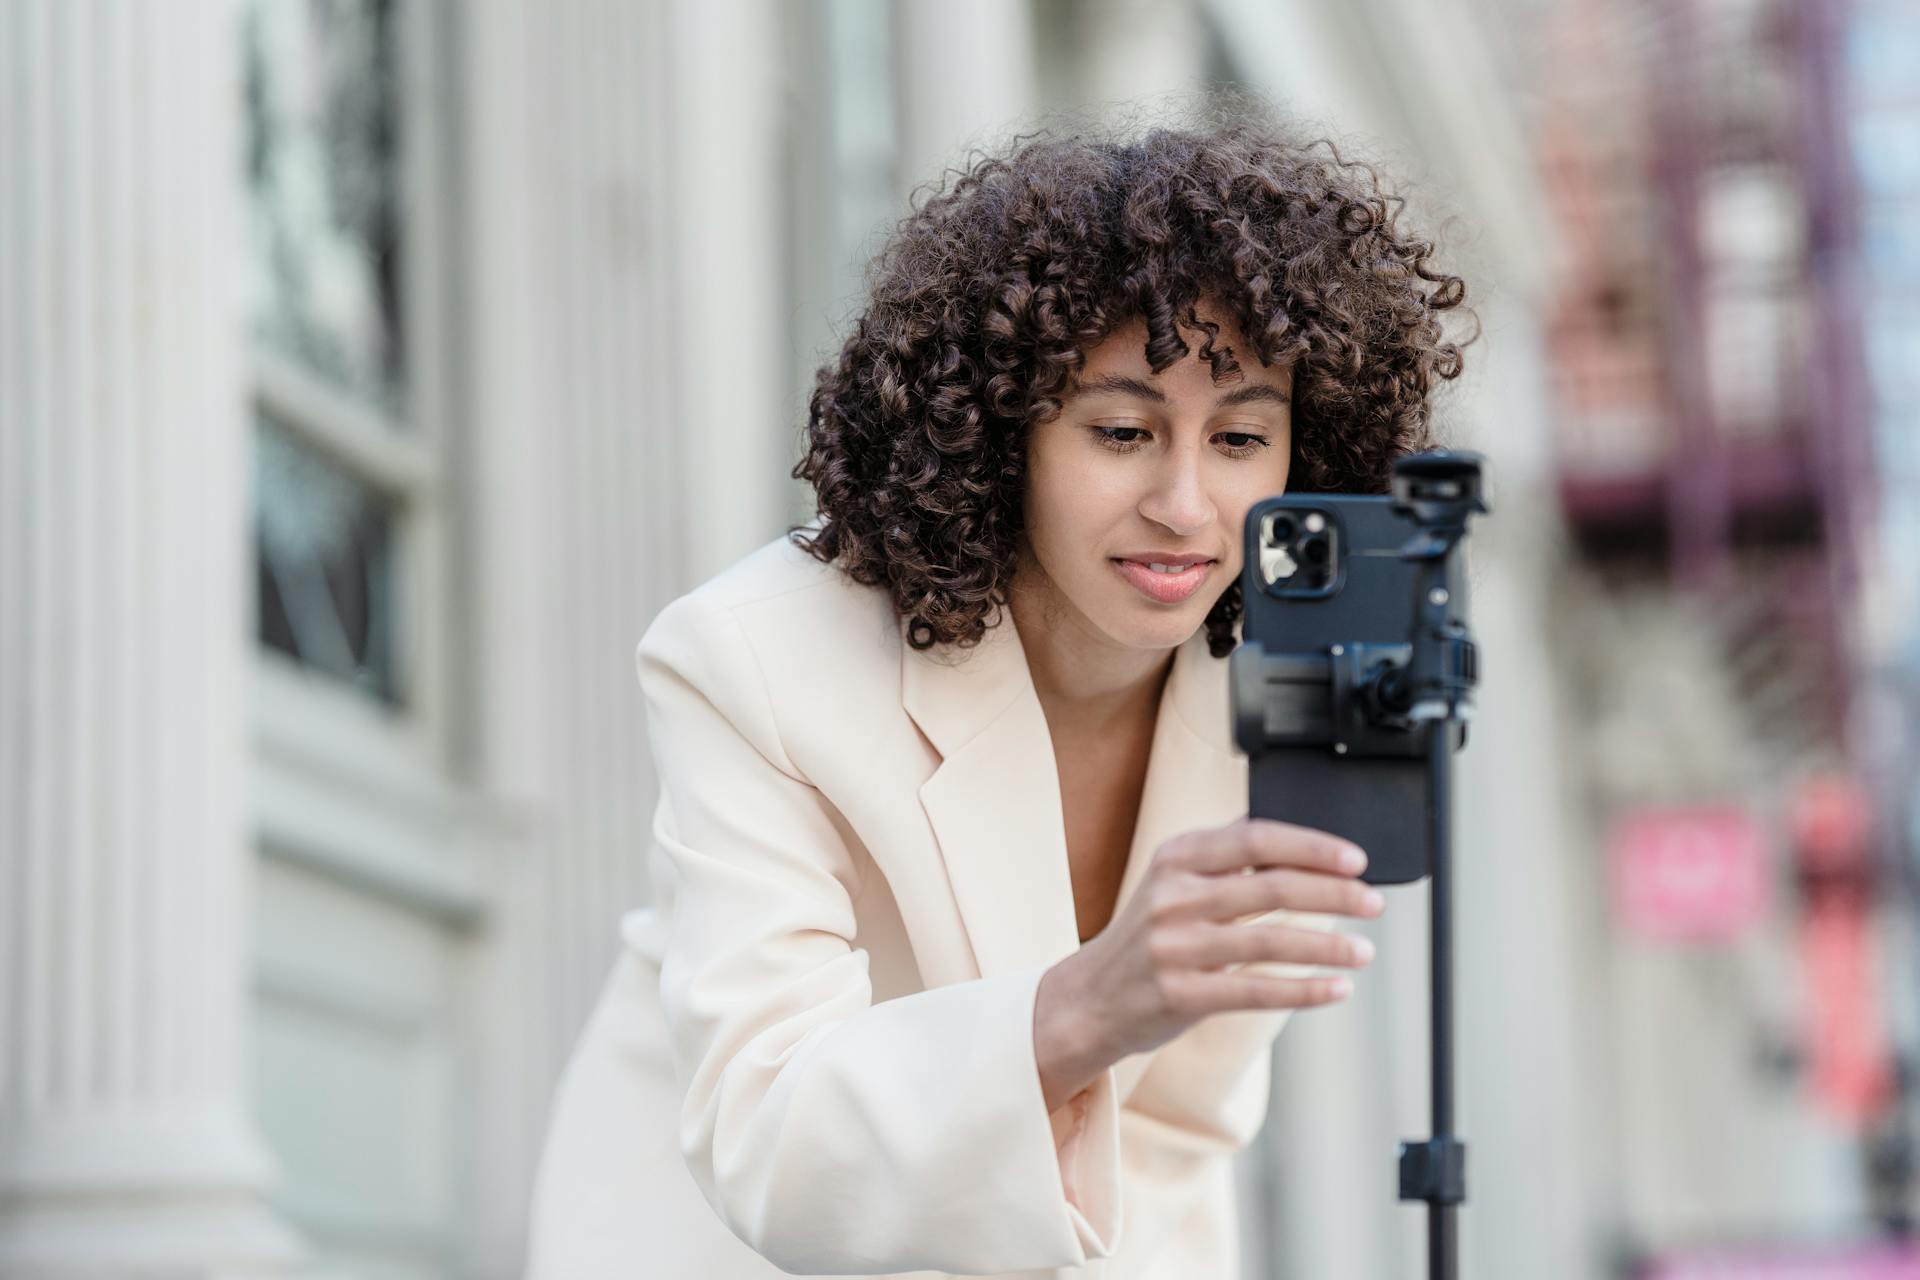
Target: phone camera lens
{"x": 1315, "y": 551}
{"x": 1281, "y": 528}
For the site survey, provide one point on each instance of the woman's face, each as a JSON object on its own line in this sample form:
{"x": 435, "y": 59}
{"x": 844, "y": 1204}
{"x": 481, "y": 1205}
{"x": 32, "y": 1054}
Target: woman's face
{"x": 1141, "y": 467}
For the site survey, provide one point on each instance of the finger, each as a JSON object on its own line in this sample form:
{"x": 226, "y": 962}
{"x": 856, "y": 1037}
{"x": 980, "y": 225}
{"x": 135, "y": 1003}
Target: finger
{"x": 1264, "y": 842}
{"x": 1215, "y": 947}
{"x": 1228, "y": 897}
{"x": 1238, "y": 989}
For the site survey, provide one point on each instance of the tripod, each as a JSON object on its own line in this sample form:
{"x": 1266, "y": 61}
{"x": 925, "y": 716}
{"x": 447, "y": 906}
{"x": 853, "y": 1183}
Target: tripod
{"x": 1444, "y": 670}
{"x": 1382, "y": 702}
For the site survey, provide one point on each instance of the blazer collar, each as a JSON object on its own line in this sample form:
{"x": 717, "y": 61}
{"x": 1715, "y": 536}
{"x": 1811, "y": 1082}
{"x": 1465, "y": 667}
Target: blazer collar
{"x": 995, "y": 805}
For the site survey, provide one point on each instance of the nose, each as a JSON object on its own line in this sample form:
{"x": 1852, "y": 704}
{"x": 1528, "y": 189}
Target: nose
{"x": 1177, "y": 498}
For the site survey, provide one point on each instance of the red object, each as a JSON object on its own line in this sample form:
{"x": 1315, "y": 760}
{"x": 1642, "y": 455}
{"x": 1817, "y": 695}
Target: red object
{"x": 1850, "y": 1073}
{"x": 1694, "y": 873}
{"x": 1833, "y": 823}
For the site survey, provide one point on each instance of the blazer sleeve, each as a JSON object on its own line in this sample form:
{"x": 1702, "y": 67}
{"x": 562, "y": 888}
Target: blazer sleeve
{"x": 831, "y": 1134}
{"x": 1202, "y": 1098}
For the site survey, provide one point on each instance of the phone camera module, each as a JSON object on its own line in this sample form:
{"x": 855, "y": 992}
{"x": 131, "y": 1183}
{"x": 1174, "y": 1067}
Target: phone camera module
{"x": 1296, "y": 553}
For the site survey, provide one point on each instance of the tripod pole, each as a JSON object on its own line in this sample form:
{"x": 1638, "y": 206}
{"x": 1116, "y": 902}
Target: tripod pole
{"x": 1436, "y": 1170}
{"x": 1442, "y": 1223}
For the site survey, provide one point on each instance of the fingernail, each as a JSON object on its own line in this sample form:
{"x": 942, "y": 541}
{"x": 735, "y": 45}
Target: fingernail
{"x": 1374, "y": 900}
{"x": 1363, "y": 949}
{"x": 1352, "y": 859}
{"x": 1342, "y": 987}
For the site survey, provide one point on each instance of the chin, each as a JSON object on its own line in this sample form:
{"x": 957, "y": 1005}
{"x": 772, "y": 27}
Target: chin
{"x": 1148, "y": 628}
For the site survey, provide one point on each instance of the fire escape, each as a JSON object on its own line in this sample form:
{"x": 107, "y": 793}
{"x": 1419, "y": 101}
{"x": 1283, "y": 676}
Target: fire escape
{"x": 1718, "y": 433}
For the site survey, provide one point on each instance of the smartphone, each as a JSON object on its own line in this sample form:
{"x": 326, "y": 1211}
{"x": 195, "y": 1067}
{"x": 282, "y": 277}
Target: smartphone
{"x": 1327, "y": 590}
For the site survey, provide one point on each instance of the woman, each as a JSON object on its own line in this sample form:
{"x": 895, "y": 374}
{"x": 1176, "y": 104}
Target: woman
{"x": 964, "y": 956}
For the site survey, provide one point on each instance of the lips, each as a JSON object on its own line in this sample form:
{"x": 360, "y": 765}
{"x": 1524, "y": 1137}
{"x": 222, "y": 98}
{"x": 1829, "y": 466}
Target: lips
{"x": 1164, "y": 588}
{"x": 1156, "y": 556}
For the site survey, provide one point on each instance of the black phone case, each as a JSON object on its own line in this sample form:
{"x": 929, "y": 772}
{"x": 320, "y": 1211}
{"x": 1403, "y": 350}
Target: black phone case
{"x": 1381, "y": 804}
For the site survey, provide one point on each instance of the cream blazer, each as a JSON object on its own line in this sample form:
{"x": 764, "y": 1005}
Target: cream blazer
{"x": 815, "y": 1054}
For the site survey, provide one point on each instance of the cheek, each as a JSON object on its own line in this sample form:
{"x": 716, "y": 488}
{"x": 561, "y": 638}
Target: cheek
{"x": 1068, "y": 494}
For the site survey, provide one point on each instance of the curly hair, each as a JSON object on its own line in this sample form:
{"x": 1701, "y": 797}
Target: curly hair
{"x": 985, "y": 298}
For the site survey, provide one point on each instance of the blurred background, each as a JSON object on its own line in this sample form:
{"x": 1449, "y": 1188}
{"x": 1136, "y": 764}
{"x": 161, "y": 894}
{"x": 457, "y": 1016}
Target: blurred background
{"x": 371, "y": 371}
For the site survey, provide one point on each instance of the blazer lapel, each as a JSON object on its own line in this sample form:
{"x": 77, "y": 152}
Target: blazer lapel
{"x": 1196, "y": 777}
{"x": 994, "y": 802}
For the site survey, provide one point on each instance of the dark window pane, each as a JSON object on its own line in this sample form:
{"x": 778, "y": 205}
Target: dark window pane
{"x": 324, "y": 545}
{"x": 322, "y": 152}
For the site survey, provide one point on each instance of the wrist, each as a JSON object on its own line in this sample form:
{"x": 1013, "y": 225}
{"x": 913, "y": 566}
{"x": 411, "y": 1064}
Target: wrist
{"x": 1068, "y": 1045}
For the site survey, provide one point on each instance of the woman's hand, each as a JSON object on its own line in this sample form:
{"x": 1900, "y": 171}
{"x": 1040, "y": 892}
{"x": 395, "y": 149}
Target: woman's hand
{"x": 1159, "y": 965}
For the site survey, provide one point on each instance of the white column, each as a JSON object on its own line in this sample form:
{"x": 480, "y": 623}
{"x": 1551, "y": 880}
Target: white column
{"x": 724, "y": 406}
{"x": 966, "y": 80}
{"x": 628, "y": 439}
{"x": 1141, "y": 53}
{"x": 126, "y": 1146}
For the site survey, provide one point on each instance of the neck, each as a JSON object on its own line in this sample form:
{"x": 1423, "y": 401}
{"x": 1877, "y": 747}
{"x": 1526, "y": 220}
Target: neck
{"x": 1082, "y": 678}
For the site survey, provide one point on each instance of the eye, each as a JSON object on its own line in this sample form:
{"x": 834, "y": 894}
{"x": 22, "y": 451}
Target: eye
{"x": 1240, "y": 444}
{"x": 1119, "y": 439}
{"x": 1253, "y": 443}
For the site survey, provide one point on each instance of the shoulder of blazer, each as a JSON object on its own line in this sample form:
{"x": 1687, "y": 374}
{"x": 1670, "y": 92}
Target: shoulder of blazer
{"x": 826, "y": 648}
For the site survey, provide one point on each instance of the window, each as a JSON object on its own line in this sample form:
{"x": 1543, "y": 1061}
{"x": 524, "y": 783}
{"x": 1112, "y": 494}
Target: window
{"x": 373, "y": 860}
{"x": 347, "y": 465}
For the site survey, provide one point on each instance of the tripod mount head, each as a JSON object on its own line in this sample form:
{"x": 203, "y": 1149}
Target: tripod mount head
{"x": 1439, "y": 489}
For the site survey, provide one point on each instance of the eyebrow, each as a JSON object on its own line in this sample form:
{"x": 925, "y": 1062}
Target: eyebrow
{"x": 1121, "y": 384}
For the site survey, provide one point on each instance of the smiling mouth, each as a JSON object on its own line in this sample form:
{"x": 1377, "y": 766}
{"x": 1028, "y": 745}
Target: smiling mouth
{"x": 1160, "y": 585}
